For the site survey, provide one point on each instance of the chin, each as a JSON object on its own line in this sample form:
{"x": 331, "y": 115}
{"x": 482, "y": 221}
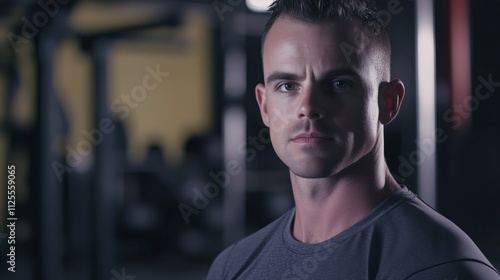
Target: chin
{"x": 317, "y": 170}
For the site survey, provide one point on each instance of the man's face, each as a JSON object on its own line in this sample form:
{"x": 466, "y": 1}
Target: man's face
{"x": 319, "y": 102}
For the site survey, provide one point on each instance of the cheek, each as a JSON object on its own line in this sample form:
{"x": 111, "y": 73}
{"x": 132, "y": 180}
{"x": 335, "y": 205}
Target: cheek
{"x": 373, "y": 112}
{"x": 278, "y": 141}
{"x": 370, "y": 120}
{"x": 276, "y": 127}
{"x": 279, "y": 118}
{"x": 362, "y": 121}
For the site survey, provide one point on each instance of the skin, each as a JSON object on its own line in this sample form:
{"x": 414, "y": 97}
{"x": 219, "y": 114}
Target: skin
{"x": 326, "y": 119}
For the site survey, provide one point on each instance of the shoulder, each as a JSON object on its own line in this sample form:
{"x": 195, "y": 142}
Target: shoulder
{"x": 458, "y": 269}
{"x": 257, "y": 243}
{"x": 426, "y": 243}
{"x": 411, "y": 223}
{"x": 420, "y": 226}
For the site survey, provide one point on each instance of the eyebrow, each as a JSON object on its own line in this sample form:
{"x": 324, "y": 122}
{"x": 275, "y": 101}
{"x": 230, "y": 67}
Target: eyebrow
{"x": 328, "y": 74}
{"x": 340, "y": 72}
{"x": 282, "y": 76}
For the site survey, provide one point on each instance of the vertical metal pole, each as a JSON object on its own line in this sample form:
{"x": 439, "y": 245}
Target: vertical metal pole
{"x": 105, "y": 183}
{"x": 49, "y": 191}
{"x": 235, "y": 192}
{"x": 234, "y": 131}
{"x": 426, "y": 101}
{"x": 460, "y": 59}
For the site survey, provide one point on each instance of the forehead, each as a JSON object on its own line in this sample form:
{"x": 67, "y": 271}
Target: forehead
{"x": 331, "y": 44}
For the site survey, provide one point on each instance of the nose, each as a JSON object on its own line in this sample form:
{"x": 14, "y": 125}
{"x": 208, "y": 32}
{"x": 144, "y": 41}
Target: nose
{"x": 312, "y": 105}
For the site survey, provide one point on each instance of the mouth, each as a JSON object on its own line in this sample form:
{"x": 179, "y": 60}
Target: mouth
{"x": 310, "y": 138}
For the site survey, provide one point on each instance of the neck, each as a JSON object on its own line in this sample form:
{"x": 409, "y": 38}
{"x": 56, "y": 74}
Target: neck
{"x": 327, "y": 206}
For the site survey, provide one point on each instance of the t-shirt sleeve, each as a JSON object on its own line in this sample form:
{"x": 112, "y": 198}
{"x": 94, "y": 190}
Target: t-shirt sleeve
{"x": 218, "y": 267}
{"x": 457, "y": 270}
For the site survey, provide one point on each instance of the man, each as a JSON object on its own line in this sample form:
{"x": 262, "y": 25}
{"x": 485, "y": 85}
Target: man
{"x": 326, "y": 98}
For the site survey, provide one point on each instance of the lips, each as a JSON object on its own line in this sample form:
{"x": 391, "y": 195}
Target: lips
{"x": 310, "y": 138}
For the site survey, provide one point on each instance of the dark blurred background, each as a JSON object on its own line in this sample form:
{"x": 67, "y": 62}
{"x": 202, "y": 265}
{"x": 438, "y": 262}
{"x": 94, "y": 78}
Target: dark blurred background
{"x": 139, "y": 150}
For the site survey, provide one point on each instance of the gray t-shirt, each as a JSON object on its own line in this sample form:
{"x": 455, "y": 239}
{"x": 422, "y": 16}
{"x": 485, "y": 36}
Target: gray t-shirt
{"x": 402, "y": 238}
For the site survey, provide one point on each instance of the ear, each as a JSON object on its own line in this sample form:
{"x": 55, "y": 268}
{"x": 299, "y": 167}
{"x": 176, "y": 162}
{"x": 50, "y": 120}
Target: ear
{"x": 390, "y": 97}
{"x": 260, "y": 95}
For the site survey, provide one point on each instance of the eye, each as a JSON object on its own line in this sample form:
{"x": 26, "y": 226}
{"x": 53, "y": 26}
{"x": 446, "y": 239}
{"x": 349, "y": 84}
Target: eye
{"x": 340, "y": 84}
{"x": 286, "y": 87}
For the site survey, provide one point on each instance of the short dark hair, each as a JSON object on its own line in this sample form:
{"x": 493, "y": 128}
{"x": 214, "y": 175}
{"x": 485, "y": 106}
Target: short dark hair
{"x": 318, "y": 11}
